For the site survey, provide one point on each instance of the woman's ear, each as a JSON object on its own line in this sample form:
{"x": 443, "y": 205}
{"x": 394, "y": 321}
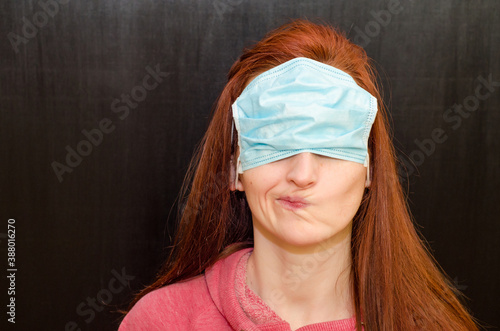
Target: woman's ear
{"x": 234, "y": 182}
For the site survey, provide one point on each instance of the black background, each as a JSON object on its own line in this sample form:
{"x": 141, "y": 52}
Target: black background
{"x": 110, "y": 214}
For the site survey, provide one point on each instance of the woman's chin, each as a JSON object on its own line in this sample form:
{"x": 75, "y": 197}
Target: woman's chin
{"x": 310, "y": 238}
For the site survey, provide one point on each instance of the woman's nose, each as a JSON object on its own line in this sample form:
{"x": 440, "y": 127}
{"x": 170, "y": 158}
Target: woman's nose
{"x": 303, "y": 169}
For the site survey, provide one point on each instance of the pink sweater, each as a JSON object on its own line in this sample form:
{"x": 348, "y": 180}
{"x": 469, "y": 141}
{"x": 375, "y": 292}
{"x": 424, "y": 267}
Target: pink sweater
{"x": 218, "y": 300}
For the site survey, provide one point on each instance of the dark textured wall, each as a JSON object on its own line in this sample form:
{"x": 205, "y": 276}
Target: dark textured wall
{"x": 95, "y": 226}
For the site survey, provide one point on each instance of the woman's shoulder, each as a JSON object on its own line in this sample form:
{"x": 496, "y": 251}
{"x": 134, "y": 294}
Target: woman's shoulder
{"x": 170, "y": 306}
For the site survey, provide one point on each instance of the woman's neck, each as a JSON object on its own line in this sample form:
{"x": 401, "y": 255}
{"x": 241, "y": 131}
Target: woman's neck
{"x": 303, "y": 285}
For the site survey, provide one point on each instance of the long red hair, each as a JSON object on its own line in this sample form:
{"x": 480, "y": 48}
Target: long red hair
{"x": 397, "y": 285}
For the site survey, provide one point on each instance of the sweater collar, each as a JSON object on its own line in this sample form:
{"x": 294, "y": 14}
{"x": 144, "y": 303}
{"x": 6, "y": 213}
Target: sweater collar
{"x": 222, "y": 280}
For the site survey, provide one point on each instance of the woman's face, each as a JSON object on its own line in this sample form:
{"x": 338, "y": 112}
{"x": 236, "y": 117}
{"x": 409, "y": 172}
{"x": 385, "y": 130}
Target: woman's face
{"x": 304, "y": 199}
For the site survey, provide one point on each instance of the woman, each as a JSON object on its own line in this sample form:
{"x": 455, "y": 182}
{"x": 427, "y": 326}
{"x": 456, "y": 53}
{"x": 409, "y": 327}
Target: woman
{"x": 295, "y": 218}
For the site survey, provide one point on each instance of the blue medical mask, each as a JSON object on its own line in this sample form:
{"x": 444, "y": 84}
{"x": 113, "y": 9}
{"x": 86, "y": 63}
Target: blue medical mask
{"x": 303, "y": 106}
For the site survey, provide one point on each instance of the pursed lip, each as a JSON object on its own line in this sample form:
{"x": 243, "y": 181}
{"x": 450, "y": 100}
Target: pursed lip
{"x": 292, "y": 203}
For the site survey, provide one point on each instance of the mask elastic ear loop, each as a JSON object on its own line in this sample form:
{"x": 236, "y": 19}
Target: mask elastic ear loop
{"x": 368, "y": 174}
{"x": 234, "y": 165}
{"x": 232, "y": 170}
{"x": 235, "y": 126}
